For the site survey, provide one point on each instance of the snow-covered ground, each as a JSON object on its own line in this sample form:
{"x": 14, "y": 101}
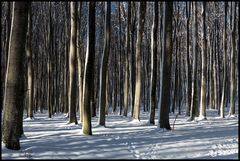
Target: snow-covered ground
{"x": 124, "y": 138}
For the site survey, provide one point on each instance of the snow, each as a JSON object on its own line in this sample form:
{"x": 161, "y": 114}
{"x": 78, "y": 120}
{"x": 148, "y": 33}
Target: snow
{"x": 124, "y": 138}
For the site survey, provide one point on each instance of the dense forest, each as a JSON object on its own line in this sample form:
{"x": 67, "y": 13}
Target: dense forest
{"x": 96, "y": 58}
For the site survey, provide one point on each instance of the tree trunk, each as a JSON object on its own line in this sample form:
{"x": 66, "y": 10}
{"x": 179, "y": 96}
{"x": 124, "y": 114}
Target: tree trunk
{"x": 211, "y": 79}
{"x": 203, "y": 103}
{"x": 72, "y": 96}
{"x": 153, "y": 65}
{"x": 14, "y": 92}
{"x": 104, "y": 63}
{"x": 163, "y": 120}
{"x": 194, "y": 103}
{"x": 30, "y": 65}
{"x": 89, "y": 71}
{"x": 223, "y": 99}
{"x": 79, "y": 62}
{"x": 133, "y": 68}
{"x": 141, "y": 19}
{"x": 233, "y": 53}
{"x": 49, "y": 64}
{"x": 126, "y": 61}
{"x": 188, "y": 71}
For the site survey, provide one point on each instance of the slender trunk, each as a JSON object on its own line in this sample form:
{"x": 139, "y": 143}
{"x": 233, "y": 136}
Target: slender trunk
{"x": 30, "y": 65}
{"x": 133, "y": 68}
{"x": 104, "y": 63}
{"x": 233, "y": 53}
{"x": 72, "y": 96}
{"x": 203, "y": 103}
{"x": 89, "y": 71}
{"x": 188, "y": 71}
{"x": 211, "y": 79}
{"x": 223, "y": 99}
{"x": 126, "y": 61}
{"x": 194, "y": 102}
{"x": 153, "y": 65}
{"x": 79, "y": 62}
{"x": 163, "y": 120}
{"x": 141, "y": 19}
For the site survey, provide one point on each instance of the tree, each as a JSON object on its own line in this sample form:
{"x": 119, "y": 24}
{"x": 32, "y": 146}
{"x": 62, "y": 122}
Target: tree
{"x": 194, "y": 102}
{"x": 203, "y": 103}
{"x": 126, "y": 89}
{"x": 14, "y": 93}
{"x": 49, "y": 63}
{"x": 188, "y": 66}
{"x": 79, "y": 62}
{"x": 30, "y": 73}
{"x": 72, "y": 96}
{"x": 153, "y": 64}
{"x": 104, "y": 63}
{"x": 89, "y": 71}
{"x": 223, "y": 100}
{"x": 141, "y": 20}
{"x": 233, "y": 53}
{"x": 163, "y": 121}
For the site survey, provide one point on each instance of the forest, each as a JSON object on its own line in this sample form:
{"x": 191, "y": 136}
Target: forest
{"x": 156, "y": 62}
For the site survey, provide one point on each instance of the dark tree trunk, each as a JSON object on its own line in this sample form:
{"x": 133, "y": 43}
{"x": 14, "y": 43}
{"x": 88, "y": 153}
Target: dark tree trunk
{"x": 89, "y": 71}
{"x": 153, "y": 65}
{"x": 14, "y": 93}
{"x": 163, "y": 121}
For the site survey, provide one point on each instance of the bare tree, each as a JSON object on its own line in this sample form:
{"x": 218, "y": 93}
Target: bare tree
{"x": 163, "y": 120}
{"x": 30, "y": 76}
{"x": 141, "y": 20}
{"x": 153, "y": 64}
{"x": 223, "y": 99}
{"x": 203, "y": 103}
{"x": 104, "y": 63}
{"x": 194, "y": 102}
{"x": 72, "y": 96}
{"x": 89, "y": 71}
{"x": 14, "y": 93}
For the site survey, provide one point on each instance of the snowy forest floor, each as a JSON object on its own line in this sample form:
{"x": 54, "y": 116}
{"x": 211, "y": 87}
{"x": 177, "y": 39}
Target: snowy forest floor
{"x": 124, "y": 138}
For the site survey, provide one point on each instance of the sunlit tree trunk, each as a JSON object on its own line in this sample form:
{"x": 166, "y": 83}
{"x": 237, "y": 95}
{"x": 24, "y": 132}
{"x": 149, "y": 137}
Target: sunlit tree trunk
{"x": 203, "y": 103}
{"x": 141, "y": 20}
{"x": 79, "y": 62}
{"x": 72, "y": 96}
{"x": 223, "y": 99}
{"x": 30, "y": 65}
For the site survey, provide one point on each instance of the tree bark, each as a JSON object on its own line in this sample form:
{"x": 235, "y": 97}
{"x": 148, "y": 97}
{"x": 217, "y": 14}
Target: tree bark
{"x": 223, "y": 99}
{"x": 194, "y": 102}
{"x": 89, "y": 71}
{"x": 141, "y": 20}
{"x": 30, "y": 76}
{"x": 104, "y": 63}
{"x": 163, "y": 120}
{"x": 153, "y": 65}
{"x": 203, "y": 103}
{"x": 72, "y": 96}
{"x": 233, "y": 53}
{"x": 79, "y": 62}
{"x": 14, "y": 93}
{"x": 126, "y": 89}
